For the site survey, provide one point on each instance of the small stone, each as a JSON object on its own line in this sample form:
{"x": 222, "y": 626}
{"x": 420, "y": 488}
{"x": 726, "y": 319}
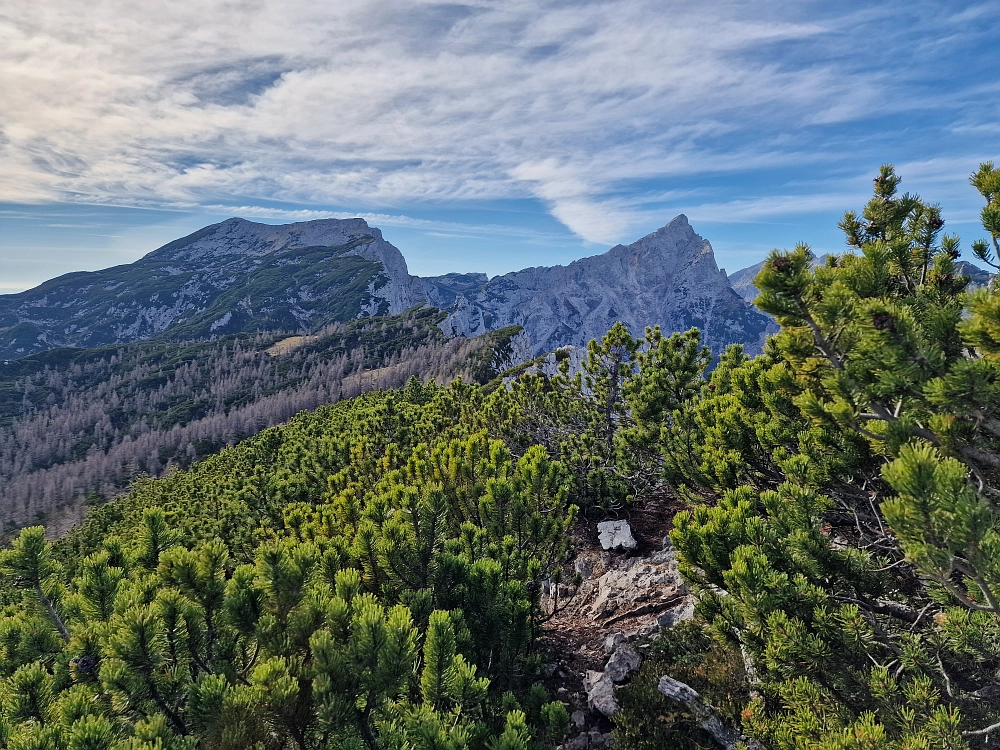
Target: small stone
{"x": 616, "y": 535}
{"x": 591, "y": 678}
{"x": 579, "y": 719}
{"x": 548, "y": 669}
{"x": 566, "y": 591}
{"x": 675, "y": 615}
{"x": 623, "y": 662}
{"x": 597, "y": 739}
{"x": 584, "y": 567}
{"x": 613, "y": 641}
{"x": 580, "y": 742}
{"x": 646, "y": 631}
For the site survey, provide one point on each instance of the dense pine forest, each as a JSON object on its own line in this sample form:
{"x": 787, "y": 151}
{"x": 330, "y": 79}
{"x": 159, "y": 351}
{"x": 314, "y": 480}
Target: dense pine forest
{"x": 77, "y": 425}
{"x": 373, "y": 574}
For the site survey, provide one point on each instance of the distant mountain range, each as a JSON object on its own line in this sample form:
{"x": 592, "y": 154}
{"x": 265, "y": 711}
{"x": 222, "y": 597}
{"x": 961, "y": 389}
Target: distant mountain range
{"x": 239, "y": 276}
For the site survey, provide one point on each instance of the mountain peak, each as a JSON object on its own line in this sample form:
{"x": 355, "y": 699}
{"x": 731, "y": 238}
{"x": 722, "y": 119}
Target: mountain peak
{"x": 241, "y": 275}
{"x": 238, "y": 236}
{"x": 231, "y": 277}
{"x": 667, "y": 278}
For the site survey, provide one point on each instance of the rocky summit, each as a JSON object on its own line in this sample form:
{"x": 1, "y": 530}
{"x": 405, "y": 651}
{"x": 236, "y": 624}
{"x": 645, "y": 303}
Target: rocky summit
{"x": 239, "y": 276}
{"x": 669, "y": 278}
{"x": 230, "y": 277}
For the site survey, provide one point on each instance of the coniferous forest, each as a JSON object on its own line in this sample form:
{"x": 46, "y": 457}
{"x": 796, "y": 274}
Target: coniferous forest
{"x": 371, "y": 574}
{"x": 77, "y": 425}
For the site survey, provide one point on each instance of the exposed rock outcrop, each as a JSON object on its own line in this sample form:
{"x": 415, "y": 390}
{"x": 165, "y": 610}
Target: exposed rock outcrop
{"x": 620, "y": 600}
{"x": 668, "y": 278}
{"x": 642, "y": 590}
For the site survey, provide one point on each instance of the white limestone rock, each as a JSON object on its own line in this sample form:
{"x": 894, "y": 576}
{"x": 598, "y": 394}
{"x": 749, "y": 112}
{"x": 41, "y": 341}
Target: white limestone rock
{"x": 705, "y": 714}
{"x": 600, "y": 693}
{"x": 616, "y": 535}
{"x": 623, "y": 662}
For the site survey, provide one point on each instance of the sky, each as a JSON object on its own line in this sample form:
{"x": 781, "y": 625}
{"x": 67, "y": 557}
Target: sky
{"x": 482, "y": 136}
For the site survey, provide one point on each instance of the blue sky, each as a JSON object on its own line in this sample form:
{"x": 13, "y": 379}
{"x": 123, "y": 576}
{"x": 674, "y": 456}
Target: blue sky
{"x": 482, "y": 136}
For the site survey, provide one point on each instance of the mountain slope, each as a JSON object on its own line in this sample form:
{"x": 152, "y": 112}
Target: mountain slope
{"x": 232, "y": 277}
{"x": 742, "y": 281}
{"x": 79, "y": 423}
{"x": 668, "y": 278}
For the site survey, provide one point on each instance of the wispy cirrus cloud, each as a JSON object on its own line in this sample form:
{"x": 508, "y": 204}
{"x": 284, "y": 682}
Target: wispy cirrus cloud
{"x": 373, "y": 104}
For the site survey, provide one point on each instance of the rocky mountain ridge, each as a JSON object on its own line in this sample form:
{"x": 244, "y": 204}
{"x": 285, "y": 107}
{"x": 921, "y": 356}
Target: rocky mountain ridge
{"x": 231, "y": 277}
{"x": 668, "y": 277}
{"x": 240, "y": 276}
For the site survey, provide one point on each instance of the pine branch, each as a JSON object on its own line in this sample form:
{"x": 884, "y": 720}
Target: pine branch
{"x": 174, "y": 717}
{"x": 821, "y": 342}
{"x": 53, "y": 615}
{"x": 982, "y": 732}
{"x": 964, "y": 567}
{"x": 882, "y": 607}
{"x": 964, "y": 599}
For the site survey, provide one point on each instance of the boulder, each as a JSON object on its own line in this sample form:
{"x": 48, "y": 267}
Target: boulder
{"x": 600, "y": 693}
{"x": 616, "y": 535}
{"x": 613, "y": 641}
{"x": 674, "y": 615}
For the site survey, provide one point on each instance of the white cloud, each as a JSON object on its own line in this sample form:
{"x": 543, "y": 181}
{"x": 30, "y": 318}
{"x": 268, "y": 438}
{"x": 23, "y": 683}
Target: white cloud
{"x": 368, "y": 102}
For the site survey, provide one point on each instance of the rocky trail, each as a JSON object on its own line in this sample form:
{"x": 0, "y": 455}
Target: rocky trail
{"x": 629, "y": 588}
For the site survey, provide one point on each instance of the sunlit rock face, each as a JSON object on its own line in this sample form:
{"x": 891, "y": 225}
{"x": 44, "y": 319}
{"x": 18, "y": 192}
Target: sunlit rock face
{"x": 669, "y": 278}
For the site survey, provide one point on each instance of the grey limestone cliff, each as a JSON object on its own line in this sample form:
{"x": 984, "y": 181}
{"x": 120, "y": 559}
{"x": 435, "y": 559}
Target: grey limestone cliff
{"x": 668, "y": 278}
